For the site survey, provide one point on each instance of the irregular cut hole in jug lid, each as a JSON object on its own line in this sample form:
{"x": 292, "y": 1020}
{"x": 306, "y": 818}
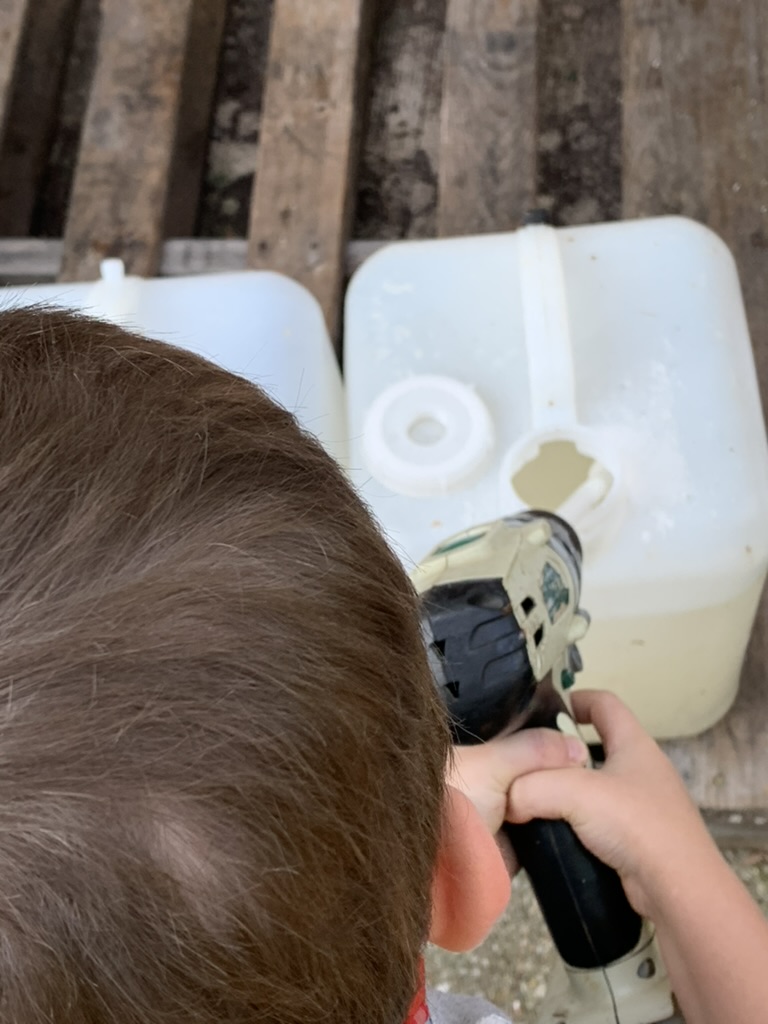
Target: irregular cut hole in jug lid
{"x": 426, "y": 430}
{"x": 560, "y": 476}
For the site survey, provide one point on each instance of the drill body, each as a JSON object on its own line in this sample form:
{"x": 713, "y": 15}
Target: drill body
{"x": 501, "y": 619}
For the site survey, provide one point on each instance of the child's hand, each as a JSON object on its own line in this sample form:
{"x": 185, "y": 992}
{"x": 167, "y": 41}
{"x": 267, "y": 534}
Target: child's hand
{"x": 485, "y": 772}
{"x": 634, "y": 813}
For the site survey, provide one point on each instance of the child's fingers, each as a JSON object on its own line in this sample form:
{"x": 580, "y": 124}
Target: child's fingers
{"x": 613, "y": 720}
{"x": 500, "y": 761}
{"x": 532, "y": 750}
{"x": 485, "y": 772}
{"x": 556, "y": 794}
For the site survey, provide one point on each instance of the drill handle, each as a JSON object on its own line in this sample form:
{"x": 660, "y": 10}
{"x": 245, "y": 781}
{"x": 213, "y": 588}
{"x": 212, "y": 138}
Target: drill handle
{"x": 583, "y": 902}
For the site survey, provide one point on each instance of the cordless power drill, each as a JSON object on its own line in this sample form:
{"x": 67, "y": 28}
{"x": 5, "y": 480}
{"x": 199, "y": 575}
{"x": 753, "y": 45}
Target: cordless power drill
{"x": 501, "y": 618}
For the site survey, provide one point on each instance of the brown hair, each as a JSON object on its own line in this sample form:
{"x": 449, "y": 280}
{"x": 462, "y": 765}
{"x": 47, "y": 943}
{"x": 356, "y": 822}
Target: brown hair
{"x": 220, "y": 754}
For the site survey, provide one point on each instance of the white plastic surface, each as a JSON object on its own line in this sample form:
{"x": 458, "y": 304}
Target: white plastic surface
{"x": 257, "y": 324}
{"x": 616, "y": 367}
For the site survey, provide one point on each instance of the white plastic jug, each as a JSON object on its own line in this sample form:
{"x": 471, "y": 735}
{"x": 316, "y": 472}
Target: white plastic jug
{"x": 604, "y": 372}
{"x": 257, "y": 324}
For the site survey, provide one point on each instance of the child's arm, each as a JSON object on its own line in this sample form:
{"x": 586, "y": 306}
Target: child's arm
{"x": 635, "y": 815}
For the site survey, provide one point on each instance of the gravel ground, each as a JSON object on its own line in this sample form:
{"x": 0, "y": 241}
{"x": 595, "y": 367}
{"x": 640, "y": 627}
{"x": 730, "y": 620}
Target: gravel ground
{"x": 511, "y": 967}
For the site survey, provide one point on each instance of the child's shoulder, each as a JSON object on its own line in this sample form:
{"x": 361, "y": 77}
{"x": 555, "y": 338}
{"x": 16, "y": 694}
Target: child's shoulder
{"x": 447, "y": 1008}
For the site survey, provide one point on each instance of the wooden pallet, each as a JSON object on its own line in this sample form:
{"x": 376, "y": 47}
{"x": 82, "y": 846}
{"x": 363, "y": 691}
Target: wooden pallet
{"x": 465, "y": 77}
{"x": 143, "y": 139}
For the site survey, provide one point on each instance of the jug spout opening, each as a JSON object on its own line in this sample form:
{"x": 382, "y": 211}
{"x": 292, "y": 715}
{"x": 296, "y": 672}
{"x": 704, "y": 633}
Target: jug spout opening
{"x": 571, "y": 474}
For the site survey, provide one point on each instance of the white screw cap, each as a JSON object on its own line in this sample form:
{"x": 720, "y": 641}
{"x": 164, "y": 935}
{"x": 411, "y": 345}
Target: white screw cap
{"x": 427, "y": 435}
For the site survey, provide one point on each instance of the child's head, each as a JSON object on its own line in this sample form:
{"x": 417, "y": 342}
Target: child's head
{"x": 221, "y": 756}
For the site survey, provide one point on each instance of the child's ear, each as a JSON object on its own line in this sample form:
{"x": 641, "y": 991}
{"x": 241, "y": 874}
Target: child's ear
{"x": 471, "y": 886}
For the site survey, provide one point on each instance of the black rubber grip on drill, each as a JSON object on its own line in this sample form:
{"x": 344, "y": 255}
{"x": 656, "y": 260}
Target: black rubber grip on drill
{"x": 587, "y": 912}
{"x": 582, "y": 899}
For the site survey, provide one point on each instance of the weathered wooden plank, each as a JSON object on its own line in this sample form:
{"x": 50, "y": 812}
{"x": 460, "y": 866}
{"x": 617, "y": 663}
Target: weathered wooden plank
{"x": 38, "y": 260}
{"x": 397, "y": 191}
{"x": 197, "y": 92}
{"x": 487, "y": 170}
{"x": 696, "y": 142}
{"x": 13, "y": 17}
{"x": 304, "y": 189}
{"x": 31, "y": 109}
{"x": 739, "y": 830}
{"x": 30, "y": 260}
{"x": 121, "y": 182}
